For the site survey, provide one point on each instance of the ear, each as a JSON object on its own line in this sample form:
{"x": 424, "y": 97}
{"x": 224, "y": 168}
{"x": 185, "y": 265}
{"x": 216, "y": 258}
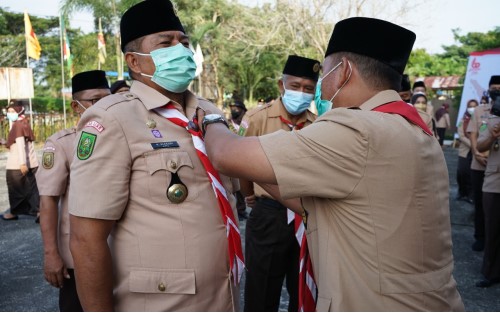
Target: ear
{"x": 76, "y": 108}
{"x": 281, "y": 86}
{"x": 132, "y": 62}
{"x": 345, "y": 72}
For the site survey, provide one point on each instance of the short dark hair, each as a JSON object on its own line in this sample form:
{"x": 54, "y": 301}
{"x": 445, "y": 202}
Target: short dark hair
{"x": 377, "y": 75}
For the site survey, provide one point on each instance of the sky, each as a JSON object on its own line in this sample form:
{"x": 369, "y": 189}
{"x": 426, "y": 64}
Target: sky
{"x": 432, "y": 22}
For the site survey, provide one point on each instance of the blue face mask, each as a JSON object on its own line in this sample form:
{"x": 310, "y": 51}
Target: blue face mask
{"x": 12, "y": 116}
{"x": 322, "y": 105}
{"x": 296, "y": 102}
{"x": 175, "y": 67}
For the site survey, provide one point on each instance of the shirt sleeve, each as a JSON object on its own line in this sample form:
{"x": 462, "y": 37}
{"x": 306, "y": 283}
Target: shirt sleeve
{"x": 21, "y": 150}
{"x": 326, "y": 159}
{"x": 461, "y": 135}
{"x": 52, "y": 177}
{"x": 472, "y": 127}
{"x": 100, "y": 171}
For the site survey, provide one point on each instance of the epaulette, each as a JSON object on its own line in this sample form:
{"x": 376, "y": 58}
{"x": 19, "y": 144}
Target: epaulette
{"x": 63, "y": 133}
{"x": 114, "y": 99}
{"x": 255, "y": 110}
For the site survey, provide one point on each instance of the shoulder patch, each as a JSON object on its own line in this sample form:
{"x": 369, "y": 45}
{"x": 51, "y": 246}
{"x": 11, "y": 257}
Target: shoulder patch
{"x": 96, "y": 125}
{"x": 85, "y": 145}
{"x": 243, "y": 128}
{"x": 48, "y": 160}
{"x": 483, "y": 127}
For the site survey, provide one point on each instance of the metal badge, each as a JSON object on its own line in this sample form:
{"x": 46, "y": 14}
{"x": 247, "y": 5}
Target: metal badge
{"x": 151, "y": 123}
{"x": 177, "y": 193}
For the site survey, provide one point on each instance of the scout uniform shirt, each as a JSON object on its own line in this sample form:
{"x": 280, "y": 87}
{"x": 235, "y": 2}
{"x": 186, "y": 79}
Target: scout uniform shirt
{"x": 53, "y": 180}
{"x": 492, "y": 173}
{"x": 166, "y": 256}
{"x": 478, "y": 122}
{"x": 265, "y": 120}
{"x": 464, "y": 147}
{"x": 376, "y": 189}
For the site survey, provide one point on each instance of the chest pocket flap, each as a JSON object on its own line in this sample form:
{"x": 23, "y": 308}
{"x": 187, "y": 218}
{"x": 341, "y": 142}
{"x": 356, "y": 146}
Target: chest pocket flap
{"x": 181, "y": 281}
{"x": 170, "y": 161}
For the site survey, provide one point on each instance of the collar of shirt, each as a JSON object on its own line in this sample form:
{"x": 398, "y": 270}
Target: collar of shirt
{"x": 277, "y": 109}
{"x": 153, "y": 99}
{"x": 380, "y": 98}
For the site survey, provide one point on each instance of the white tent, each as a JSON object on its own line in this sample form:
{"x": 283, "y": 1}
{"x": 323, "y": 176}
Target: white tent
{"x": 482, "y": 65}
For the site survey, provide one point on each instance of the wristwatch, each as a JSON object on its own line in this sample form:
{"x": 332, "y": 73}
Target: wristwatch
{"x": 210, "y": 119}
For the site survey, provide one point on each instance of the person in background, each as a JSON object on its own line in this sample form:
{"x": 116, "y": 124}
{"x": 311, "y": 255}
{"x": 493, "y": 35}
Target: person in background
{"x": 405, "y": 91}
{"x": 419, "y": 87}
{"x": 21, "y": 167}
{"x": 119, "y": 86}
{"x": 484, "y": 100}
{"x": 465, "y": 155}
{"x": 442, "y": 122}
{"x": 238, "y": 110}
{"x": 53, "y": 184}
{"x": 419, "y": 101}
{"x": 489, "y": 140}
{"x": 260, "y": 103}
{"x": 271, "y": 248}
{"x": 478, "y": 165}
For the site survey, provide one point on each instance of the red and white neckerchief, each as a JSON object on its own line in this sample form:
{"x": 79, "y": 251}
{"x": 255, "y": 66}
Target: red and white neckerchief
{"x": 308, "y": 293}
{"x": 236, "y": 262}
{"x": 291, "y": 125}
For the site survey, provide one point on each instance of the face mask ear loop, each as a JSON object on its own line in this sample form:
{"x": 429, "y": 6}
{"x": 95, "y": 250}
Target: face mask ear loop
{"x": 144, "y": 55}
{"x": 348, "y": 77}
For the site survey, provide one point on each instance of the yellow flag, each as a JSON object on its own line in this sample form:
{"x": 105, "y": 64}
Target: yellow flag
{"x": 32, "y": 45}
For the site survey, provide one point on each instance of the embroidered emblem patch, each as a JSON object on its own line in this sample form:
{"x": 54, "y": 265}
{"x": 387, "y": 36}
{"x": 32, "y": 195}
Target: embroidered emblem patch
{"x": 156, "y": 133}
{"x": 48, "y": 160}
{"x": 95, "y": 125}
{"x": 483, "y": 127}
{"x": 243, "y": 128}
{"x": 86, "y": 145}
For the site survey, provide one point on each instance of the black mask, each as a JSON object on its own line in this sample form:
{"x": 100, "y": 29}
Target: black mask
{"x": 494, "y": 94}
{"x": 235, "y": 114}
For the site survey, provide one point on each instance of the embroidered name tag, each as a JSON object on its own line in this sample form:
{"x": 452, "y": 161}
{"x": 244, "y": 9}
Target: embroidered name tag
{"x": 165, "y": 145}
{"x": 95, "y": 125}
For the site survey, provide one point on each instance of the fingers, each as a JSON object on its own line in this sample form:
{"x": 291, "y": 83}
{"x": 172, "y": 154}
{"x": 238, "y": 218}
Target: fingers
{"x": 54, "y": 278}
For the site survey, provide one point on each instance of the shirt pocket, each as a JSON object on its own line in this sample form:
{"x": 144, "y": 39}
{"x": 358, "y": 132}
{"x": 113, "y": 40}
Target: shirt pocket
{"x": 157, "y": 281}
{"x": 161, "y": 165}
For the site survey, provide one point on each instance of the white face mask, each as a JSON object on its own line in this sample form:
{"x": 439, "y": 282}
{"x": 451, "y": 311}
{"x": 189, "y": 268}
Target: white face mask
{"x": 83, "y": 107}
{"x": 471, "y": 110}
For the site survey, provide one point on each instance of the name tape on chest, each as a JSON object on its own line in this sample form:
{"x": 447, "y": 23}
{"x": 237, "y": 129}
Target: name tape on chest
{"x": 165, "y": 145}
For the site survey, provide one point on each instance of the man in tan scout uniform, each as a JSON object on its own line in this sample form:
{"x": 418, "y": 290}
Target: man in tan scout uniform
{"x": 137, "y": 178}
{"x": 478, "y": 165}
{"x": 489, "y": 140}
{"x": 271, "y": 249}
{"x": 53, "y": 186}
{"x": 378, "y": 227}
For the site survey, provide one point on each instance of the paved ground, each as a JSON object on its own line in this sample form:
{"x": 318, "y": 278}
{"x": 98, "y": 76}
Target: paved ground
{"x": 23, "y": 288}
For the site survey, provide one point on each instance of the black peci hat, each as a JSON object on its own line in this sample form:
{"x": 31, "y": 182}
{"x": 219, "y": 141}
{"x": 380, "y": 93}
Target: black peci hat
{"x": 494, "y": 80}
{"x": 89, "y": 80}
{"x": 239, "y": 104}
{"x": 302, "y": 67}
{"x": 373, "y": 38}
{"x": 419, "y": 83}
{"x": 405, "y": 83}
{"x": 148, "y": 17}
{"x": 117, "y": 85}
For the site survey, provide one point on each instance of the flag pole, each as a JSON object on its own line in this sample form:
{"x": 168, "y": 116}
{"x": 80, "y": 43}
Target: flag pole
{"x": 28, "y": 66}
{"x": 62, "y": 68}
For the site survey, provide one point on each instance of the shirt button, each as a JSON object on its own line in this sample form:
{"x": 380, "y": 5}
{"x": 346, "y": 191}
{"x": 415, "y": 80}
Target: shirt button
{"x": 173, "y": 165}
{"x": 161, "y": 287}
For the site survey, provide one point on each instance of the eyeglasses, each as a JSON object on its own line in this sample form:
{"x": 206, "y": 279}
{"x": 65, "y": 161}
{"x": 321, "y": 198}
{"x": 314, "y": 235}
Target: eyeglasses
{"x": 93, "y": 101}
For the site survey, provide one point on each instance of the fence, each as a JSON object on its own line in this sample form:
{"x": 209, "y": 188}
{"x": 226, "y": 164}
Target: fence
{"x": 44, "y": 125}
